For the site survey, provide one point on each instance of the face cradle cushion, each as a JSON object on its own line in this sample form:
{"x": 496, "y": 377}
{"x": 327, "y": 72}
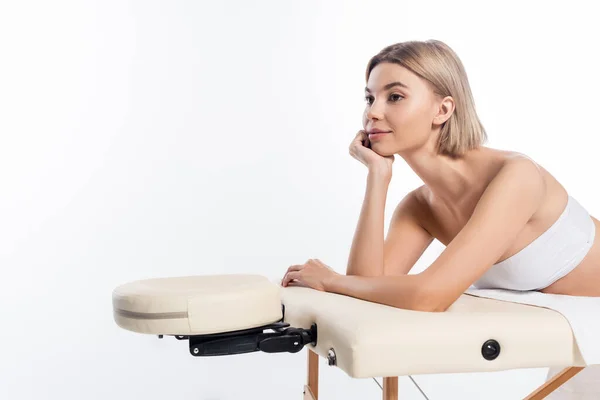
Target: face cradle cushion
{"x": 197, "y": 305}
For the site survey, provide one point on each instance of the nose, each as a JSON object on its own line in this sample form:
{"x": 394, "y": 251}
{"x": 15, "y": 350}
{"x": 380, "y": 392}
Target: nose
{"x": 374, "y": 111}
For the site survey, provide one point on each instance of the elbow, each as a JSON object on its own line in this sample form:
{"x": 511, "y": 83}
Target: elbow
{"x": 429, "y": 299}
{"x": 438, "y": 308}
{"x": 428, "y": 305}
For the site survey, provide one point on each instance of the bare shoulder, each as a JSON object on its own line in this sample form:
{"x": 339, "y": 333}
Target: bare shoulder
{"x": 519, "y": 177}
{"x": 515, "y": 160}
{"x": 420, "y": 200}
{"x": 554, "y": 195}
{"x": 521, "y": 167}
{"x": 413, "y": 204}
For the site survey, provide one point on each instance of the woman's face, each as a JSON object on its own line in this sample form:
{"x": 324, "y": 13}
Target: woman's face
{"x": 401, "y": 103}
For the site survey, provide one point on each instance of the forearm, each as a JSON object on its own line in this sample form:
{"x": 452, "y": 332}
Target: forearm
{"x": 405, "y": 291}
{"x": 366, "y": 253}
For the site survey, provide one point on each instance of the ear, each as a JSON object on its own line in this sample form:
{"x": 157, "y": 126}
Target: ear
{"x": 444, "y": 110}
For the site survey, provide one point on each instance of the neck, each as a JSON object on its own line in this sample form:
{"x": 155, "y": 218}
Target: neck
{"x": 451, "y": 180}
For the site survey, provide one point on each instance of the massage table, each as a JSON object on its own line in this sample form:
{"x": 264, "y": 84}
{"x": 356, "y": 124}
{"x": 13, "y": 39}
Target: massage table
{"x": 222, "y": 315}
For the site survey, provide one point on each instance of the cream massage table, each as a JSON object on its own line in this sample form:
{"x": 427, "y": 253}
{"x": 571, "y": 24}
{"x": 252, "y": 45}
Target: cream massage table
{"x": 232, "y": 314}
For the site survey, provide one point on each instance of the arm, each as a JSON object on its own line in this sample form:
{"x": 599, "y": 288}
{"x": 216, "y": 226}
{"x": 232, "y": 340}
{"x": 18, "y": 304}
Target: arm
{"x": 366, "y": 253}
{"x": 406, "y": 240}
{"x": 504, "y": 208}
{"x": 402, "y": 291}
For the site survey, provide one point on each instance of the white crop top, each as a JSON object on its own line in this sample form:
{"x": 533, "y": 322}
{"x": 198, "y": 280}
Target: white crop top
{"x": 551, "y": 256}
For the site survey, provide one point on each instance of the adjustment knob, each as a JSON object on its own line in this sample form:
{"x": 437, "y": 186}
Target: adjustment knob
{"x": 490, "y": 349}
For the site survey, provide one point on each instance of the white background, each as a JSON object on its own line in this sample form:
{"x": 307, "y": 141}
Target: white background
{"x": 153, "y": 139}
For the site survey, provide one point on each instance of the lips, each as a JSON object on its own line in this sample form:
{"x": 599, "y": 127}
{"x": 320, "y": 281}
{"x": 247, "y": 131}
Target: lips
{"x": 376, "y": 136}
{"x": 374, "y": 131}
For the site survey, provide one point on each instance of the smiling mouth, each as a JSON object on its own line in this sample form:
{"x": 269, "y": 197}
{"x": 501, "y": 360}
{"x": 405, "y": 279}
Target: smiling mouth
{"x": 377, "y": 135}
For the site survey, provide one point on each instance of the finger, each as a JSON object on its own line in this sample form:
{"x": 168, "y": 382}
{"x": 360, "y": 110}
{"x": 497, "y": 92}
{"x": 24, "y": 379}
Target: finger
{"x": 295, "y": 267}
{"x": 364, "y": 138}
{"x": 289, "y": 277}
{"x": 360, "y": 136}
{"x": 358, "y": 140}
{"x": 363, "y": 141}
{"x": 288, "y": 282}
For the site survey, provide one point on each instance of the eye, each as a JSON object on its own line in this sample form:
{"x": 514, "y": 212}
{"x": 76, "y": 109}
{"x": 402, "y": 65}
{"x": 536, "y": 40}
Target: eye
{"x": 393, "y": 97}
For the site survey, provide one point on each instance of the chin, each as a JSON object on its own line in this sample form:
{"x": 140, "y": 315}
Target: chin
{"x": 383, "y": 153}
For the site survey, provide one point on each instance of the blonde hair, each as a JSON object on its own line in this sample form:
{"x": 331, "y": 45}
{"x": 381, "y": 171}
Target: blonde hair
{"x": 438, "y": 64}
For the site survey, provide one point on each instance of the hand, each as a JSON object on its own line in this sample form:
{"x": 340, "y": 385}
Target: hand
{"x": 360, "y": 148}
{"x": 313, "y": 274}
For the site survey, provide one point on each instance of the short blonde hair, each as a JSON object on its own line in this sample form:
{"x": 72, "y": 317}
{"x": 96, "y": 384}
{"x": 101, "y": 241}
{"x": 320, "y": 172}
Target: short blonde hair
{"x": 438, "y": 64}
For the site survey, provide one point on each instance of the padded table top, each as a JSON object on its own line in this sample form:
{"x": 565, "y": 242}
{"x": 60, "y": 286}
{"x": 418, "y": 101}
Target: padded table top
{"x": 372, "y": 340}
{"x": 369, "y": 339}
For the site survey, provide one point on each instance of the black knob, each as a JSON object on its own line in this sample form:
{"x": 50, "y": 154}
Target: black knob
{"x": 490, "y": 349}
{"x": 331, "y": 357}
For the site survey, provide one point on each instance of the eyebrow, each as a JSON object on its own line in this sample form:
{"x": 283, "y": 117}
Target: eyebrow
{"x": 389, "y": 86}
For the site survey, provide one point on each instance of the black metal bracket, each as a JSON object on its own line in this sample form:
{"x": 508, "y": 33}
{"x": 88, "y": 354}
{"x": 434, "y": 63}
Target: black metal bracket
{"x": 283, "y": 339}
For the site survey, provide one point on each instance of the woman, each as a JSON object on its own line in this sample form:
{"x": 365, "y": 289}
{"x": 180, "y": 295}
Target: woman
{"x": 506, "y": 222}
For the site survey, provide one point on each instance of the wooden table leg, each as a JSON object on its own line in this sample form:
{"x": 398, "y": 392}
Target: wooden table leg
{"x": 308, "y": 395}
{"x": 311, "y": 390}
{"x": 553, "y": 384}
{"x": 390, "y": 388}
